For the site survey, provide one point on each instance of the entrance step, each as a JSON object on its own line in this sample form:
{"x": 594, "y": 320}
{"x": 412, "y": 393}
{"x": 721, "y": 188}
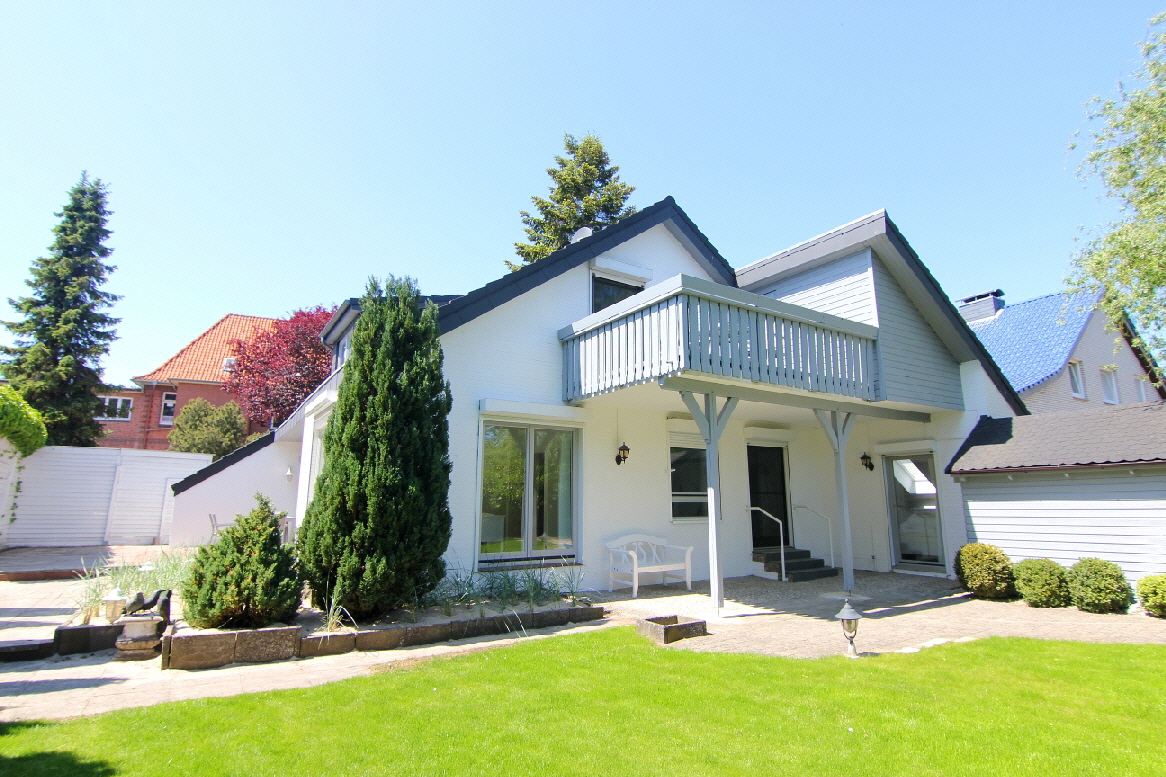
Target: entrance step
{"x": 799, "y": 565}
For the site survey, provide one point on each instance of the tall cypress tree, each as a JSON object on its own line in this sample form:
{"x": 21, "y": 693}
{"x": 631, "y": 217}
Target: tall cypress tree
{"x": 379, "y": 521}
{"x": 587, "y": 193}
{"x": 54, "y": 364}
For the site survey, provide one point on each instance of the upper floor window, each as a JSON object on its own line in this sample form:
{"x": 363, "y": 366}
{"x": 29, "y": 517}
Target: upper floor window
{"x": 115, "y": 409}
{"x": 1140, "y": 388}
{"x": 606, "y": 292}
{"x": 168, "y": 403}
{"x": 1076, "y": 379}
{"x": 1109, "y": 387}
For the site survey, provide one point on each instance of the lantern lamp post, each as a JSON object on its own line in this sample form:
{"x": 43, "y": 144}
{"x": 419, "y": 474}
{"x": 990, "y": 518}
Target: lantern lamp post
{"x": 850, "y": 618}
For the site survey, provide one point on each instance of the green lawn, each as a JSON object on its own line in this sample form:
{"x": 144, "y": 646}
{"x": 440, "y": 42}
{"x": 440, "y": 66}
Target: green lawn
{"x": 610, "y": 703}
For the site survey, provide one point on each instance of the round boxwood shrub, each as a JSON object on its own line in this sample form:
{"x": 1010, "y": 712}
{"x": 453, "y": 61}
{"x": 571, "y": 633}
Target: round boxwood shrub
{"x": 1099, "y": 586}
{"x": 245, "y": 580}
{"x": 1152, "y": 594}
{"x": 1042, "y": 582}
{"x": 985, "y": 570}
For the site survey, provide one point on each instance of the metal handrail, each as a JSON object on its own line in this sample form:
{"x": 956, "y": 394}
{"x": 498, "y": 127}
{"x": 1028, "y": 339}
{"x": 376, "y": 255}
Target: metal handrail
{"x": 781, "y": 534}
{"x": 829, "y": 528}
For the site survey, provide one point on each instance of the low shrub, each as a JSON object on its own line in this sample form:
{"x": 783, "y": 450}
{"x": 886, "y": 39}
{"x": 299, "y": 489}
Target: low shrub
{"x": 1099, "y": 586}
{"x": 247, "y": 579}
{"x": 1042, "y": 582}
{"x": 985, "y": 570}
{"x": 1152, "y": 594}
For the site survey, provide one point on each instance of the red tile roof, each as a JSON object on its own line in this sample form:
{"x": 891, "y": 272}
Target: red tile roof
{"x": 202, "y": 359}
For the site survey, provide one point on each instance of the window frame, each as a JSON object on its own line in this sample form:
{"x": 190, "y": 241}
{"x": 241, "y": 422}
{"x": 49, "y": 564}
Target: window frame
{"x": 1140, "y": 388}
{"x": 529, "y": 518}
{"x": 1110, "y": 393}
{"x": 123, "y": 407}
{"x": 692, "y": 442}
{"x": 1077, "y": 376}
{"x": 169, "y": 401}
{"x": 623, "y": 283}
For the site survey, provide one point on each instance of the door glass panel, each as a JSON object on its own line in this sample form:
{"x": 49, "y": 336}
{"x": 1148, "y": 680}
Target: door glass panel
{"x": 767, "y": 491}
{"x": 690, "y": 496}
{"x": 553, "y": 499}
{"x": 503, "y": 488}
{"x": 915, "y": 509}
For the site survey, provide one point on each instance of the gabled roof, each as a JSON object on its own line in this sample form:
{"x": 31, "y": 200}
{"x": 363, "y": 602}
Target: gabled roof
{"x": 877, "y": 232}
{"x": 1033, "y": 340}
{"x": 461, "y": 310}
{"x": 201, "y": 361}
{"x": 1102, "y": 437}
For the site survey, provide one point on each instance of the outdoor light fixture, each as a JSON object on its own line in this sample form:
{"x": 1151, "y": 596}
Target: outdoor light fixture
{"x": 850, "y": 618}
{"x": 289, "y": 474}
{"x": 622, "y": 456}
{"x": 867, "y": 462}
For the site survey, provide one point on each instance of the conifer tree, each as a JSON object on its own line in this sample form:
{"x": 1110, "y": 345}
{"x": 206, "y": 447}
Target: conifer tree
{"x": 54, "y": 364}
{"x": 587, "y": 193}
{"x": 379, "y": 521}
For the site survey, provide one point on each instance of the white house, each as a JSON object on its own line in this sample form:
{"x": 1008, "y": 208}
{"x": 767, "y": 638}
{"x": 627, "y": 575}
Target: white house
{"x": 828, "y": 385}
{"x": 1059, "y": 353}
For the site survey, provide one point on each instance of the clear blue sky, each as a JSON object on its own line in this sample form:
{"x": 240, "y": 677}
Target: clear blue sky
{"x": 266, "y": 157}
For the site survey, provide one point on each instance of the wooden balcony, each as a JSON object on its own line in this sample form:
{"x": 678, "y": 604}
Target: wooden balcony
{"x": 688, "y": 325}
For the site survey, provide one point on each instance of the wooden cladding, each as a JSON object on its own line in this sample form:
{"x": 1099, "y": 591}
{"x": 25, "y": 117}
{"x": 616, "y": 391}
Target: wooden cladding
{"x": 689, "y": 332}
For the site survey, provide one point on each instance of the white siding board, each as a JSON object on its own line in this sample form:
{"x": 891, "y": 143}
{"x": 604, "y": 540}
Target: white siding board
{"x": 843, "y": 287}
{"x": 1108, "y": 514}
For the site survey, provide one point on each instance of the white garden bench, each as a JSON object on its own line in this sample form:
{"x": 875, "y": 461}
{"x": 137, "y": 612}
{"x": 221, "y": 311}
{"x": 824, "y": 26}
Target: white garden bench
{"x": 640, "y": 554}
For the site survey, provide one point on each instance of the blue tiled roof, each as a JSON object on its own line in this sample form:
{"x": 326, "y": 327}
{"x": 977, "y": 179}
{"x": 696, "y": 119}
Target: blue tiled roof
{"x": 1031, "y": 341}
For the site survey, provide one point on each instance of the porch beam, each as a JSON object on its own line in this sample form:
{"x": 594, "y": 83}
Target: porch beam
{"x": 712, "y": 423}
{"x": 838, "y": 426}
{"x": 751, "y": 394}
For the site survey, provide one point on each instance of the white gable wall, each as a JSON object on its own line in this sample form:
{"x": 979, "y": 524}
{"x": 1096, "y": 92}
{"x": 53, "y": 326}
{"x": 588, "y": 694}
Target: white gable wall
{"x": 1095, "y": 349}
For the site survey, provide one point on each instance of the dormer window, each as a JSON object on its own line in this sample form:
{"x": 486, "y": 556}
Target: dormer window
{"x": 605, "y": 292}
{"x": 1076, "y": 380}
{"x": 1109, "y": 387}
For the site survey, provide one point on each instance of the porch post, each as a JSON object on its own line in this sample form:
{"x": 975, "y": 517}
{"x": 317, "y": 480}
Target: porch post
{"x": 837, "y": 426}
{"x": 712, "y": 424}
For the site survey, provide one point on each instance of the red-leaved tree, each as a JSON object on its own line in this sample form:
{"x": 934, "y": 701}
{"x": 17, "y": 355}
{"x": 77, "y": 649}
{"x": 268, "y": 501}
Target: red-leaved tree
{"x": 276, "y": 370}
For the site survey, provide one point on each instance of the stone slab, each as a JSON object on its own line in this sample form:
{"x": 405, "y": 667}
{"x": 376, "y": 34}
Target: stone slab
{"x": 277, "y": 643}
{"x": 379, "y": 639}
{"x": 327, "y": 644}
{"x": 424, "y": 635}
{"x": 27, "y": 650}
{"x": 86, "y": 639}
{"x": 671, "y": 628}
{"x": 583, "y": 614}
{"x": 551, "y": 618}
{"x": 204, "y": 650}
{"x": 166, "y": 637}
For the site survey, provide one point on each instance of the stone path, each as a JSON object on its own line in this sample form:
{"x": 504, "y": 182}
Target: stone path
{"x": 66, "y": 563}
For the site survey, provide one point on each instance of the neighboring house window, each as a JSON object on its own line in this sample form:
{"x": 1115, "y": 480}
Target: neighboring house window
{"x": 1140, "y": 389}
{"x": 115, "y": 409}
{"x": 606, "y": 292}
{"x": 528, "y": 492}
{"x": 690, "y": 496}
{"x": 1109, "y": 387}
{"x": 1076, "y": 379}
{"x": 168, "y": 403}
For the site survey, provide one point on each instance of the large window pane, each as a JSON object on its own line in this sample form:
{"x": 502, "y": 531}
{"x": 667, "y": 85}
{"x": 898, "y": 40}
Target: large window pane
{"x": 553, "y": 497}
{"x": 503, "y": 488}
{"x": 690, "y": 496}
{"x": 915, "y": 509}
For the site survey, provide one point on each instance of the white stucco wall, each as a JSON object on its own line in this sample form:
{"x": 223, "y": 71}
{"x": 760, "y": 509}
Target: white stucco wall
{"x": 232, "y": 492}
{"x": 1095, "y": 349}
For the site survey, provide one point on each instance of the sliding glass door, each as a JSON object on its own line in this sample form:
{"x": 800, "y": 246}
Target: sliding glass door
{"x": 915, "y": 524}
{"x": 528, "y": 495}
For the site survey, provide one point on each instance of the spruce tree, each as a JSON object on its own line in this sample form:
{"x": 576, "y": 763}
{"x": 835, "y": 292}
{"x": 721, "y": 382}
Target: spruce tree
{"x": 587, "y": 193}
{"x": 54, "y": 364}
{"x": 378, "y": 524}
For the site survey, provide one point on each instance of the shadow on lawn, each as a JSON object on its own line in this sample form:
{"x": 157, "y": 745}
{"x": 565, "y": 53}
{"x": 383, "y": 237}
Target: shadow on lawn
{"x": 52, "y": 762}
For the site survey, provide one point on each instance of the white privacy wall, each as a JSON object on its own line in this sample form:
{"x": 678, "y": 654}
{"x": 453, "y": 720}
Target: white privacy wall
{"x": 1103, "y": 512}
{"x": 97, "y": 496}
{"x": 232, "y": 491}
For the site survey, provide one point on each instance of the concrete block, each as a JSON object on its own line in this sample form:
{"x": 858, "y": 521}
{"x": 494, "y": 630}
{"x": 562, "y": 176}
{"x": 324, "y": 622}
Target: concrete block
{"x": 670, "y": 628}
{"x": 27, "y": 649}
{"x": 582, "y": 614}
{"x": 327, "y": 644}
{"x": 473, "y": 627}
{"x": 203, "y": 650}
{"x": 379, "y": 639}
{"x": 549, "y": 618}
{"x": 277, "y": 643}
{"x": 86, "y": 639}
{"x": 424, "y": 635}
{"x": 166, "y": 636}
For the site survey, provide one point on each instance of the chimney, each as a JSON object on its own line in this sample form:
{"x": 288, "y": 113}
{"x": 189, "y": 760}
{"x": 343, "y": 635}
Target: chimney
{"x": 984, "y": 305}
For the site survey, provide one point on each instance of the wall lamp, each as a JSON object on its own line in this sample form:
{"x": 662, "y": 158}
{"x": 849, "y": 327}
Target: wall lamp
{"x": 622, "y": 456}
{"x": 866, "y": 461}
{"x": 289, "y": 475}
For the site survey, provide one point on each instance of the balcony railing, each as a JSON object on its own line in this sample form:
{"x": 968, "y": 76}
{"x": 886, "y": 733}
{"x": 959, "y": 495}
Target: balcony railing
{"x": 689, "y": 325}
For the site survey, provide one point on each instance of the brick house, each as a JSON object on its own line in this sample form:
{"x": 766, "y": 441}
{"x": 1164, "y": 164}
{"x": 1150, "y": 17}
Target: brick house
{"x": 142, "y": 417}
